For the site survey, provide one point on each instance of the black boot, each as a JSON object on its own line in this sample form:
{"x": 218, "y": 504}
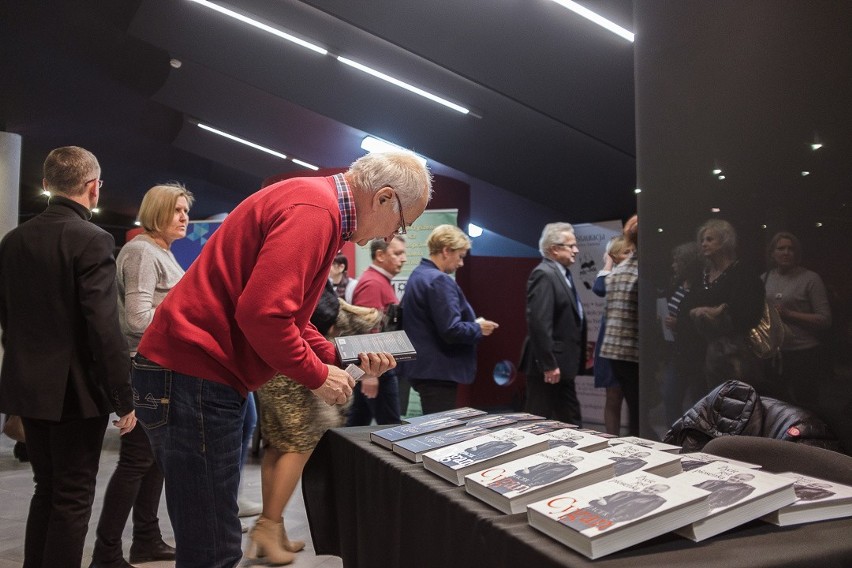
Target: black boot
{"x": 150, "y": 551}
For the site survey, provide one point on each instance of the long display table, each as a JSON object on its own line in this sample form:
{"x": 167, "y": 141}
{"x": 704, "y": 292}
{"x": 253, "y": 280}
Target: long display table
{"x": 375, "y": 509}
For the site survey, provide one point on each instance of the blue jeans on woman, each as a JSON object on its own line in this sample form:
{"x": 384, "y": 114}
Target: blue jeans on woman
{"x": 195, "y": 428}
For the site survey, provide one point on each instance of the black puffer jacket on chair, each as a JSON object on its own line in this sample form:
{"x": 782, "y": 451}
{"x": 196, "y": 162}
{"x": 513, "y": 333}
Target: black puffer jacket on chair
{"x": 735, "y": 409}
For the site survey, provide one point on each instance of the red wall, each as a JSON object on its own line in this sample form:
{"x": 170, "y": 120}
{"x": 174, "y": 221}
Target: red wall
{"x": 496, "y": 288}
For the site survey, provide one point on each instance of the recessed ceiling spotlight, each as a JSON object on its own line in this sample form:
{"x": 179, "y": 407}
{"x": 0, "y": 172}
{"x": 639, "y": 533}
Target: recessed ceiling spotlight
{"x": 816, "y": 146}
{"x": 175, "y": 63}
{"x": 818, "y": 224}
{"x": 721, "y": 177}
{"x": 715, "y": 209}
{"x": 763, "y": 226}
{"x": 805, "y": 173}
{"x": 717, "y": 171}
{"x": 637, "y": 191}
{"x": 659, "y": 229}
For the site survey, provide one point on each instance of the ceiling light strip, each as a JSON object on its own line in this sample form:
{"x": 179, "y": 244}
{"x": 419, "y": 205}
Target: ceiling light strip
{"x": 224, "y": 134}
{"x": 596, "y": 18}
{"x": 241, "y": 140}
{"x": 403, "y": 85}
{"x": 262, "y": 26}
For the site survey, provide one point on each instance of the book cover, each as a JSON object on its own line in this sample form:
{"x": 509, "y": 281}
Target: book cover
{"x": 464, "y": 413}
{"x": 629, "y": 457}
{"x": 492, "y": 421}
{"x": 737, "y": 495}
{"x": 615, "y": 514}
{"x": 816, "y": 500}
{"x": 457, "y": 460}
{"x": 694, "y": 460}
{"x": 510, "y": 486}
{"x": 597, "y": 433}
{"x": 543, "y": 426}
{"x": 575, "y": 439}
{"x": 413, "y": 448}
{"x": 387, "y": 436}
{"x": 522, "y": 416}
{"x": 394, "y": 342}
{"x": 650, "y": 444}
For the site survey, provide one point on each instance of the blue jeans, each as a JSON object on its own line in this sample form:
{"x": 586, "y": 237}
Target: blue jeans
{"x": 249, "y": 423}
{"x": 195, "y": 427}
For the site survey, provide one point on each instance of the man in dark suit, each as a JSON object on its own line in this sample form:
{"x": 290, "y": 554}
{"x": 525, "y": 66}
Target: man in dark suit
{"x": 555, "y": 348}
{"x": 66, "y": 365}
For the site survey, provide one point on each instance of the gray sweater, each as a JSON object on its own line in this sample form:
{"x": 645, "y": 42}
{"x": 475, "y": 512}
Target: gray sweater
{"x": 145, "y": 273}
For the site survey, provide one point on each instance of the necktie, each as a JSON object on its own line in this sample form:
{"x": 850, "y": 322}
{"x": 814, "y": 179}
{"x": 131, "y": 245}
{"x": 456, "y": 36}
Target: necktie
{"x": 576, "y": 294}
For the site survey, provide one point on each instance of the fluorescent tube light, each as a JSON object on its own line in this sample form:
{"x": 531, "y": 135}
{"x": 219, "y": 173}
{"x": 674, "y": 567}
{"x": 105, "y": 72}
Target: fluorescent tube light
{"x": 596, "y": 18}
{"x": 262, "y": 26}
{"x": 305, "y": 164}
{"x": 373, "y": 144}
{"x": 402, "y": 84}
{"x": 241, "y": 140}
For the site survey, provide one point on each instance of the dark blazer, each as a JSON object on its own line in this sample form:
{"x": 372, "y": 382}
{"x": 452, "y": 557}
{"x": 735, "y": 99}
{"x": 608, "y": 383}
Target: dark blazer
{"x": 441, "y": 325}
{"x": 59, "y": 313}
{"x": 556, "y": 336}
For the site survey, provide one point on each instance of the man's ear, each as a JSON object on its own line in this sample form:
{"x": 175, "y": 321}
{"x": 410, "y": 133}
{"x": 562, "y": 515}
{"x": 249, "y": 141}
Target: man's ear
{"x": 384, "y": 195}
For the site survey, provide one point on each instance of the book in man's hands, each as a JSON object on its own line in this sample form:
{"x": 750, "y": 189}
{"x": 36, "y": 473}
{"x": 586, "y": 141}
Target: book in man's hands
{"x": 576, "y": 439}
{"x": 618, "y": 513}
{"x": 816, "y": 500}
{"x": 510, "y": 486}
{"x": 394, "y": 342}
{"x": 455, "y": 461}
{"x": 630, "y": 457}
{"x": 387, "y": 436}
{"x": 737, "y": 496}
{"x": 464, "y": 413}
{"x": 413, "y": 448}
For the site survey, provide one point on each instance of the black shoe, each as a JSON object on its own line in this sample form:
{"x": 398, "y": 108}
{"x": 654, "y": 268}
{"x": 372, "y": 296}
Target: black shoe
{"x": 121, "y": 563}
{"x": 151, "y": 551}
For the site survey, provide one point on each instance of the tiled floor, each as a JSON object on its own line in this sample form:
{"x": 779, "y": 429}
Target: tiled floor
{"x": 16, "y": 488}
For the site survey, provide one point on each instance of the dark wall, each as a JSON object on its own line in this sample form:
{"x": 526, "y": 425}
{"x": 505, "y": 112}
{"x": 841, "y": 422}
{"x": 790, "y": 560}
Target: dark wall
{"x": 747, "y": 87}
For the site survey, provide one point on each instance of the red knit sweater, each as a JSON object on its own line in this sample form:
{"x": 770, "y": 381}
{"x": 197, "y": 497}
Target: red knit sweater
{"x": 241, "y": 312}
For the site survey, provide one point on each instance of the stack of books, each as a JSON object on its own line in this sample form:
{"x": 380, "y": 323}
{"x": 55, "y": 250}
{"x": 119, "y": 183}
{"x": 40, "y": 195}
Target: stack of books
{"x": 510, "y": 486}
{"x": 413, "y": 449}
{"x": 618, "y": 513}
{"x": 629, "y": 457}
{"x": 576, "y": 439}
{"x": 387, "y": 436}
{"x": 737, "y": 495}
{"x": 816, "y": 500}
{"x": 457, "y": 460}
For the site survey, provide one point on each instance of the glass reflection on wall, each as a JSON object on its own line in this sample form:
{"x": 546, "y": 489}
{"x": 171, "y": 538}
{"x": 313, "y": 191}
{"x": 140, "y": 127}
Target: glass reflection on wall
{"x": 744, "y": 139}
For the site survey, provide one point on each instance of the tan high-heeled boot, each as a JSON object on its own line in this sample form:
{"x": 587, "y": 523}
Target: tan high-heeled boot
{"x": 290, "y": 545}
{"x": 266, "y": 542}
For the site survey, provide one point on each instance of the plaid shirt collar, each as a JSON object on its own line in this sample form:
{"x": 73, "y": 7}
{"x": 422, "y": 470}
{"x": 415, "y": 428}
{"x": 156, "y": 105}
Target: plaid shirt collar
{"x": 348, "y": 222}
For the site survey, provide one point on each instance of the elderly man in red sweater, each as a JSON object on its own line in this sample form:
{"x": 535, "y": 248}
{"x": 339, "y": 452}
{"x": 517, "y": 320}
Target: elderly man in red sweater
{"x": 374, "y": 398}
{"x": 239, "y": 315}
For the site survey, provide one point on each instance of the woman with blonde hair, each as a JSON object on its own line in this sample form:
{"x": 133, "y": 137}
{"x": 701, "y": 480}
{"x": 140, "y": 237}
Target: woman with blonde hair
{"x": 718, "y": 313}
{"x": 441, "y": 323}
{"x": 292, "y": 420}
{"x": 146, "y": 270}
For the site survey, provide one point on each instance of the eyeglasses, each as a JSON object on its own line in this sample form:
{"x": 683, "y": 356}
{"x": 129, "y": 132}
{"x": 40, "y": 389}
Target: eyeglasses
{"x": 566, "y": 245}
{"x": 402, "y": 230}
{"x": 100, "y": 182}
